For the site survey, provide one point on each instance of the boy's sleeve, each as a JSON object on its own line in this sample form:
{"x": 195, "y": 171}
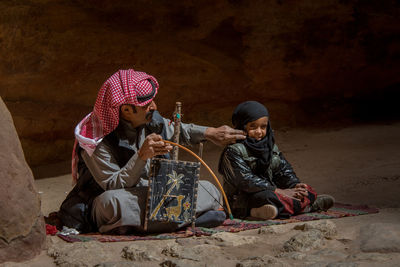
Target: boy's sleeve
{"x": 239, "y": 174}
{"x": 285, "y": 177}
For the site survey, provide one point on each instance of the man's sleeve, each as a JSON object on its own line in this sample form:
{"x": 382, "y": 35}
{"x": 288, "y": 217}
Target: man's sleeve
{"x": 105, "y": 170}
{"x": 190, "y": 133}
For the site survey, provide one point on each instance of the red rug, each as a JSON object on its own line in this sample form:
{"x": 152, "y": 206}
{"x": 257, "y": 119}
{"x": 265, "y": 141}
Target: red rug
{"x": 233, "y": 226}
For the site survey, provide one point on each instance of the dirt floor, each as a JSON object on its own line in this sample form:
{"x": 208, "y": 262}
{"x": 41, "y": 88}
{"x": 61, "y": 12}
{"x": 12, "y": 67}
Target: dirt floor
{"x": 357, "y": 165}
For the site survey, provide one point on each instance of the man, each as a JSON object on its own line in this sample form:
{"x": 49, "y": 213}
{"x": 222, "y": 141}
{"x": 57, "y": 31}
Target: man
{"x": 112, "y": 152}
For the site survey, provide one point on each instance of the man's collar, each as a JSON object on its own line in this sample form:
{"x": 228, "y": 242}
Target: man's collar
{"x": 125, "y": 130}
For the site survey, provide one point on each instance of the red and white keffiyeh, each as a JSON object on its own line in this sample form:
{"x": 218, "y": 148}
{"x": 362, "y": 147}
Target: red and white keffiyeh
{"x": 123, "y": 87}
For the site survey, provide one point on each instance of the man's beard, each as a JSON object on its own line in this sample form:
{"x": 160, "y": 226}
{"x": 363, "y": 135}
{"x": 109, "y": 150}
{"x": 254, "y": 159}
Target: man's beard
{"x": 149, "y": 115}
{"x": 156, "y": 124}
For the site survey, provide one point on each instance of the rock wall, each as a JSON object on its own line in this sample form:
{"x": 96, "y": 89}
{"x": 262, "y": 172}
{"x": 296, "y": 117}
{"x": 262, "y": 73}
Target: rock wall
{"x": 22, "y": 231}
{"x": 310, "y": 62}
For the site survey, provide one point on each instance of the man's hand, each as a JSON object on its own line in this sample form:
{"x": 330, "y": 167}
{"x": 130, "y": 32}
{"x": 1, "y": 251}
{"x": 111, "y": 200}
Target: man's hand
{"x": 153, "y": 146}
{"x": 224, "y": 135}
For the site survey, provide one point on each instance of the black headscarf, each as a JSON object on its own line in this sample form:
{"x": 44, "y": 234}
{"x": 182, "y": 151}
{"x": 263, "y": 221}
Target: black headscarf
{"x": 247, "y": 112}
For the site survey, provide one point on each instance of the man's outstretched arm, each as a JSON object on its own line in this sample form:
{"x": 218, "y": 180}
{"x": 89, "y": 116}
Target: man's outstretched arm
{"x": 194, "y": 134}
{"x": 224, "y": 135}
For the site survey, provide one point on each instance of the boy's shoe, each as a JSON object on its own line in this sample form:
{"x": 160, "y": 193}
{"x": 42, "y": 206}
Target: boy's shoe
{"x": 323, "y": 203}
{"x": 266, "y": 212}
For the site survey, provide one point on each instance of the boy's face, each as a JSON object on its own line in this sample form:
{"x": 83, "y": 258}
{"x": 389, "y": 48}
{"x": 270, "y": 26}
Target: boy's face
{"x": 257, "y": 129}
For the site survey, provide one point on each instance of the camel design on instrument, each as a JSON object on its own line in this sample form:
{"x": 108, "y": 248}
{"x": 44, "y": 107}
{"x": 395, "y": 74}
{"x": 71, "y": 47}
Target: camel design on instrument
{"x": 175, "y": 211}
{"x": 176, "y": 180}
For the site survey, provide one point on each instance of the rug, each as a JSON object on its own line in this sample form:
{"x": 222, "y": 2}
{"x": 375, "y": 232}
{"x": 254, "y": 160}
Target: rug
{"x": 233, "y": 226}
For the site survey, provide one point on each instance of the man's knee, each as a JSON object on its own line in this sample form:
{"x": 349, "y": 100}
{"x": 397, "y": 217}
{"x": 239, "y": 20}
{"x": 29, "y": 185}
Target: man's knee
{"x": 209, "y": 189}
{"x": 106, "y": 199}
{"x": 208, "y": 197}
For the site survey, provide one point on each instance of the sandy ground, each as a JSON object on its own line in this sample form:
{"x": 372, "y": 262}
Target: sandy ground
{"x": 358, "y": 165}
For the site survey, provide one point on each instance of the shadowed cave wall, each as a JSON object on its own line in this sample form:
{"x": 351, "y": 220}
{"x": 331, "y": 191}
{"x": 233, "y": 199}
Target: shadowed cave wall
{"x": 313, "y": 63}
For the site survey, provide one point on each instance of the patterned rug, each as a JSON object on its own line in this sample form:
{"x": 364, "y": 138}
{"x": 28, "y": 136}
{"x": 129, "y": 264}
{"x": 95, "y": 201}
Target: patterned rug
{"x": 233, "y": 226}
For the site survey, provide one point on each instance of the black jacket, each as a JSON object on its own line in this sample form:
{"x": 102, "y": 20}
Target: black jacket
{"x": 241, "y": 178}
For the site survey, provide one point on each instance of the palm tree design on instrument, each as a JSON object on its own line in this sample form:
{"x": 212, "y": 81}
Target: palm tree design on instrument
{"x": 176, "y": 180}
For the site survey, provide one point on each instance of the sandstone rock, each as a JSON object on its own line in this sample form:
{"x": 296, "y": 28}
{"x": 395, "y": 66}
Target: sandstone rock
{"x": 305, "y": 241}
{"x": 328, "y": 228}
{"x": 117, "y": 264}
{"x": 344, "y": 241}
{"x": 206, "y": 249}
{"x": 22, "y": 231}
{"x": 330, "y": 253}
{"x": 193, "y": 241}
{"x": 292, "y": 255}
{"x": 230, "y": 55}
{"x": 180, "y": 252}
{"x": 263, "y": 261}
{"x": 195, "y": 253}
{"x": 316, "y": 257}
{"x": 80, "y": 254}
{"x": 267, "y": 230}
{"x": 230, "y": 239}
{"x": 369, "y": 257}
{"x": 342, "y": 264}
{"x": 380, "y": 237}
{"x": 182, "y": 263}
{"x": 331, "y": 264}
{"x": 139, "y": 253}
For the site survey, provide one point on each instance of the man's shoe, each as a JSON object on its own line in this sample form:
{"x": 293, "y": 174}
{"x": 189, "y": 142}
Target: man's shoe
{"x": 323, "y": 203}
{"x": 266, "y": 212}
